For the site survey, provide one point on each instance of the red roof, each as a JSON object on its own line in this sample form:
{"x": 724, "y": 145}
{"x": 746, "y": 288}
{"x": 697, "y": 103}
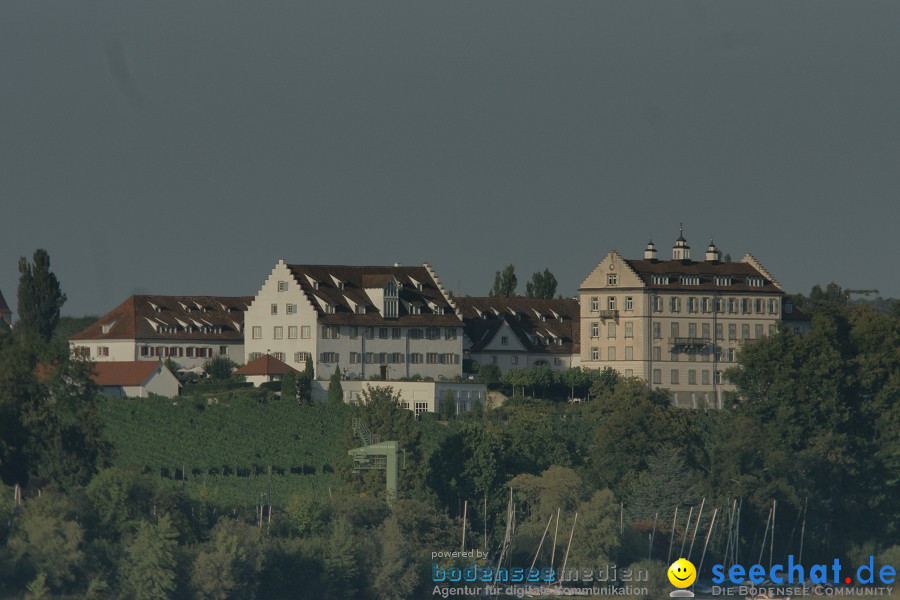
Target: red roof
{"x": 125, "y": 373}
{"x": 265, "y": 365}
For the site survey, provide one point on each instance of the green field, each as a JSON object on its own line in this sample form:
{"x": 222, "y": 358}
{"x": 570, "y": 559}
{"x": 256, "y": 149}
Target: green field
{"x": 222, "y": 449}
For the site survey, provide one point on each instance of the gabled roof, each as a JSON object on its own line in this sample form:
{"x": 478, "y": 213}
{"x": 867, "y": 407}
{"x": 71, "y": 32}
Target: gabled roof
{"x": 535, "y": 322}
{"x": 172, "y": 318}
{"x": 124, "y": 373}
{"x": 265, "y": 365}
{"x": 318, "y": 284}
{"x": 4, "y": 308}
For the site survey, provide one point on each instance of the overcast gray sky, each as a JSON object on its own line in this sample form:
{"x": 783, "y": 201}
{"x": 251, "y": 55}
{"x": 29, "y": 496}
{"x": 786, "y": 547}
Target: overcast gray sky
{"x": 174, "y": 146}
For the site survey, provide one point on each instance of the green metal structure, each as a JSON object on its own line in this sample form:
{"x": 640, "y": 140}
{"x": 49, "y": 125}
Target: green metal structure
{"x": 376, "y": 455}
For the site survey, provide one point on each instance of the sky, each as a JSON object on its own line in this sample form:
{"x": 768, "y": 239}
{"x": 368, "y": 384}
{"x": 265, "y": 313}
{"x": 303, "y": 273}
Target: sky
{"x": 183, "y": 147}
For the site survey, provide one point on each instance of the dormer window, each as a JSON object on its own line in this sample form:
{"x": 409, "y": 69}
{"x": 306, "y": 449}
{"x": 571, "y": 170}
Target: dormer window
{"x": 756, "y": 281}
{"x": 690, "y": 280}
{"x": 360, "y": 309}
{"x": 415, "y": 309}
{"x": 330, "y": 309}
{"x": 107, "y": 327}
{"x": 660, "y": 280}
{"x": 723, "y": 280}
{"x": 391, "y": 308}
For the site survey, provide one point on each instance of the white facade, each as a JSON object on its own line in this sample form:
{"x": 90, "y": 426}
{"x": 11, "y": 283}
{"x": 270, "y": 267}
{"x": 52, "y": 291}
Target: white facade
{"x": 419, "y": 396}
{"x": 283, "y": 321}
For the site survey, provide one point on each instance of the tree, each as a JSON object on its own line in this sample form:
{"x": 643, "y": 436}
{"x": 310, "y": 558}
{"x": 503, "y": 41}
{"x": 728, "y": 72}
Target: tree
{"x": 230, "y": 566}
{"x": 219, "y": 367}
{"x": 335, "y": 390}
{"x": 150, "y": 561}
{"x": 542, "y": 285}
{"x": 489, "y": 375}
{"x": 576, "y": 377}
{"x": 39, "y": 296}
{"x": 304, "y": 382}
{"x": 448, "y": 406}
{"x": 289, "y": 385}
{"x": 505, "y": 283}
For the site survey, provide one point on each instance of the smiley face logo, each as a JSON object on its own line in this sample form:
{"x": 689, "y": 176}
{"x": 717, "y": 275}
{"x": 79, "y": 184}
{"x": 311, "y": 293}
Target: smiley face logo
{"x": 682, "y": 573}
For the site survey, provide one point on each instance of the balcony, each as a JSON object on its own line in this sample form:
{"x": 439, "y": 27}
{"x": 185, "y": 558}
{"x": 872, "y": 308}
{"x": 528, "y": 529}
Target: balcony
{"x": 609, "y": 314}
{"x": 690, "y": 342}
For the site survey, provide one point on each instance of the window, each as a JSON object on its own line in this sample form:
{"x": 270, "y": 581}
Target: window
{"x": 432, "y": 333}
{"x": 611, "y": 353}
{"x": 673, "y": 377}
{"x": 629, "y": 372}
{"x": 773, "y": 306}
{"x": 557, "y": 361}
{"x": 513, "y": 360}
{"x": 279, "y": 356}
{"x": 657, "y": 331}
{"x": 415, "y": 334}
{"x": 629, "y": 303}
{"x": 719, "y": 332}
{"x": 720, "y": 305}
{"x": 278, "y": 332}
{"x": 494, "y": 359}
{"x": 396, "y": 358}
{"x": 353, "y": 333}
{"x": 257, "y": 332}
{"x": 292, "y": 332}
{"x": 657, "y": 353}
{"x": 355, "y": 358}
{"x": 731, "y": 355}
{"x": 673, "y": 355}
{"x": 756, "y": 281}
{"x": 304, "y": 332}
{"x": 595, "y": 330}
{"x": 704, "y": 377}
{"x": 282, "y": 286}
{"x": 431, "y": 358}
{"x": 330, "y": 309}
{"x": 772, "y": 330}
{"x": 629, "y": 352}
{"x": 674, "y": 330}
{"x": 391, "y": 308}
{"x": 706, "y": 305}
{"x": 595, "y": 303}
{"x": 745, "y": 305}
{"x": 611, "y": 330}
{"x": 612, "y": 279}
{"x": 382, "y": 333}
{"x": 657, "y": 376}
{"x": 611, "y": 302}
{"x": 300, "y": 357}
{"x": 690, "y": 280}
{"x": 450, "y": 333}
{"x": 693, "y": 305}
{"x": 704, "y": 329}
{"x": 290, "y": 309}
{"x": 370, "y": 333}
{"x": 145, "y": 351}
{"x": 759, "y": 331}
{"x": 675, "y": 304}
{"x": 421, "y": 407}
{"x": 722, "y": 280}
{"x": 692, "y": 377}
{"x": 360, "y": 309}
{"x": 692, "y": 330}
{"x": 718, "y": 377}
{"x": 274, "y": 309}
{"x": 396, "y": 332}
{"x": 331, "y": 332}
{"x": 504, "y": 341}
{"x": 382, "y": 358}
{"x": 657, "y": 303}
{"x": 745, "y": 332}
{"x": 595, "y": 353}
{"x": 732, "y": 305}
{"x": 732, "y": 331}
{"x": 255, "y": 355}
{"x": 329, "y": 357}
{"x": 190, "y": 352}
{"x": 629, "y": 330}
{"x": 759, "y": 306}
{"x": 660, "y": 280}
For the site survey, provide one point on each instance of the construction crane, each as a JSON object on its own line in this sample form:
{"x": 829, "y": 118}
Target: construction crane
{"x": 379, "y": 456}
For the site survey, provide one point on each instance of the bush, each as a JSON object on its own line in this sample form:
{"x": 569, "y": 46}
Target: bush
{"x": 219, "y": 367}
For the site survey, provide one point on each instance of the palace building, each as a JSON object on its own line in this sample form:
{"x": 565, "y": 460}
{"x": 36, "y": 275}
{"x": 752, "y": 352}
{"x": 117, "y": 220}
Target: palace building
{"x": 679, "y": 323}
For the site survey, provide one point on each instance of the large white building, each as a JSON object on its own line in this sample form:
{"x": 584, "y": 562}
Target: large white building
{"x": 188, "y": 329}
{"x": 376, "y": 322}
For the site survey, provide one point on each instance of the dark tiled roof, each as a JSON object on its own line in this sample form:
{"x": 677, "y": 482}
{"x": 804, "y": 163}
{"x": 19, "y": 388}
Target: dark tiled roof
{"x": 707, "y": 271}
{"x": 483, "y": 317}
{"x": 4, "y": 308}
{"x": 795, "y": 315}
{"x": 356, "y": 280}
{"x": 169, "y": 317}
{"x": 265, "y": 365}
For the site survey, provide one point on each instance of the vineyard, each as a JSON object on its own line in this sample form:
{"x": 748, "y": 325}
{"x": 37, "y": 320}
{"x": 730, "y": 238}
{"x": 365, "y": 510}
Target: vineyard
{"x": 230, "y": 449}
